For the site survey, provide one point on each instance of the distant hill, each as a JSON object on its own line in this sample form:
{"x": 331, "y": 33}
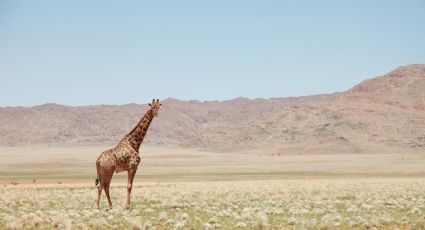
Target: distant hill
{"x": 381, "y": 115}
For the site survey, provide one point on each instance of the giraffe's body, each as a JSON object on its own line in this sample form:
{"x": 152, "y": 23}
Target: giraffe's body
{"x": 124, "y": 157}
{"x": 119, "y": 159}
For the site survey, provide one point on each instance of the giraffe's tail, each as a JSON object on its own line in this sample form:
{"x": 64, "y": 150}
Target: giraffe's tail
{"x": 97, "y": 180}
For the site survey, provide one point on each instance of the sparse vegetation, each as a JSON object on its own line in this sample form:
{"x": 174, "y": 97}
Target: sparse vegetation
{"x": 284, "y": 192}
{"x": 265, "y": 204}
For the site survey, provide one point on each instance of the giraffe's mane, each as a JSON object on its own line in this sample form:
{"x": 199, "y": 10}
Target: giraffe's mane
{"x": 135, "y": 127}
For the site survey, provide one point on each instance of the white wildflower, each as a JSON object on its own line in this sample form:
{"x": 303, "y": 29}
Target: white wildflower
{"x": 292, "y": 221}
{"x": 241, "y": 225}
{"x": 163, "y": 216}
{"x": 135, "y": 223}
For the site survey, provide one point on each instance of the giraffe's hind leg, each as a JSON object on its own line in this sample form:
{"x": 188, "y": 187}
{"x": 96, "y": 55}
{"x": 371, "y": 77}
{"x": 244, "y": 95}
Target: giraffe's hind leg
{"x": 98, "y": 183}
{"x": 105, "y": 177}
{"x": 105, "y": 181}
{"x": 107, "y": 196}
{"x": 99, "y": 192}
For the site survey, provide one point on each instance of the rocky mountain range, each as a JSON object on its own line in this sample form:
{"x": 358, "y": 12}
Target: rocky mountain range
{"x": 382, "y": 115}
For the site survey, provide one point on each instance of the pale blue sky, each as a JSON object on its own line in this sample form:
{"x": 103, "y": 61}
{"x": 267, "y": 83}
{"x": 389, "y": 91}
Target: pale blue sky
{"x": 116, "y": 52}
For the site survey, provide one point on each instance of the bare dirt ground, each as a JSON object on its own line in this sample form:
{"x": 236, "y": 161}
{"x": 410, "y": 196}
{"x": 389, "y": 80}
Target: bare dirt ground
{"x": 77, "y": 165}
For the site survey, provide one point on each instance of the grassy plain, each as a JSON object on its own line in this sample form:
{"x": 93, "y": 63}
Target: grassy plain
{"x": 53, "y": 188}
{"x": 262, "y": 204}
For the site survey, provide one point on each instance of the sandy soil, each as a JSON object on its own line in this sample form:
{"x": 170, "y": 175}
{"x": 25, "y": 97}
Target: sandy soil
{"x": 77, "y": 165}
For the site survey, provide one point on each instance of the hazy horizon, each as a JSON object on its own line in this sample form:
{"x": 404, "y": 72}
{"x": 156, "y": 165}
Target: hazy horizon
{"x": 89, "y": 53}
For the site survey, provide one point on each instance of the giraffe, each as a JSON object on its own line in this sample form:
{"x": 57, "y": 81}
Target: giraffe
{"x": 124, "y": 157}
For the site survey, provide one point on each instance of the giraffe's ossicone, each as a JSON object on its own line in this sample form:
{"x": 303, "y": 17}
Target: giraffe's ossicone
{"x": 125, "y": 156}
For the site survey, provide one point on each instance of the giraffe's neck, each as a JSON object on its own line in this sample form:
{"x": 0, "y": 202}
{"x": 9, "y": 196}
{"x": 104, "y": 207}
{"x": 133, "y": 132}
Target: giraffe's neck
{"x": 136, "y": 136}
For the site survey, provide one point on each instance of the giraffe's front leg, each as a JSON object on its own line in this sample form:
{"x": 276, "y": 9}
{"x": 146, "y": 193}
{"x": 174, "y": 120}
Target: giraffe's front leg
{"x": 131, "y": 174}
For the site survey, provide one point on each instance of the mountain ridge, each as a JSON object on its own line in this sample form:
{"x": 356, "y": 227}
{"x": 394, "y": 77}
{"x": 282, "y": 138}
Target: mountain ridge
{"x": 382, "y": 114}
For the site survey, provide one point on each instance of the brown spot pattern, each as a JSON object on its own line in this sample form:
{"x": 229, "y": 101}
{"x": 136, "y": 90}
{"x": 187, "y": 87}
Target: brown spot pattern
{"x": 125, "y": 156}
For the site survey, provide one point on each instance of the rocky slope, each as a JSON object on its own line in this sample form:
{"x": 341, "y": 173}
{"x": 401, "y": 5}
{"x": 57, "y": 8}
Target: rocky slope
{"x": 383, "y": 114}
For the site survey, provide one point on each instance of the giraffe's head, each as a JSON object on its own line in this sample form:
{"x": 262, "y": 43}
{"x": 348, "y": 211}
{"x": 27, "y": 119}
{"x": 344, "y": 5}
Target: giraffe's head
{"x": 155, "y": 106}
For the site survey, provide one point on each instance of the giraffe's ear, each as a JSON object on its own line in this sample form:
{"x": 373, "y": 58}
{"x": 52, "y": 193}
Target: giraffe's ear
{"x": 150, "y": 104}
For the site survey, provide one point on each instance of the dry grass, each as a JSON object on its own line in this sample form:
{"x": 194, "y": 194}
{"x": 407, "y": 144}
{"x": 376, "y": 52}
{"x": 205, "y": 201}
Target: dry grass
{"x": 190, "y": 189}
{"x": 265, "y": 204}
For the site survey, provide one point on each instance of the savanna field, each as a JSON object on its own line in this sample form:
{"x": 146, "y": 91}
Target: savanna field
{"x": 350, "y": 203}
{"x": 228, "y": 115}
